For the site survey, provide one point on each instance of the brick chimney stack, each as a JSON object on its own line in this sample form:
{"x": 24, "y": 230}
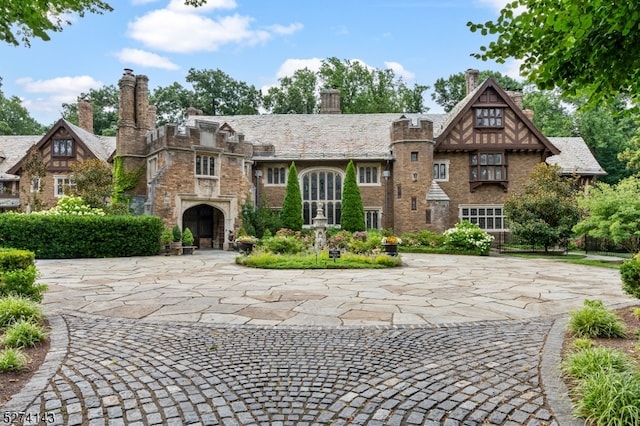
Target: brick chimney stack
{"x": 330, "y": 101}
{"x": 85, "y": 115}
{"x": 472, "y": 78}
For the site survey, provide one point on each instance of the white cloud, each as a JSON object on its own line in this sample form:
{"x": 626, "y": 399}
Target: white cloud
{"x": 186, "y": 29}
{"x": 498, "y": 5}
{"x": 400, "y": 71}
{"x": 290, "y": 66}
{"x": 513, "y": 69}
{"x": 145, "y": 59}
{"x": 49, "y": 95}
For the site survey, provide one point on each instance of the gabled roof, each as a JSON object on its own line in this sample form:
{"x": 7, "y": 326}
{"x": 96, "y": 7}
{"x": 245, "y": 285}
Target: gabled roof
{"x": 319, "y": 136}
{"x": 458, "y": 112}
{"x": 100, "y": 146}
{"x": 575, "y": 157}
{"x": 12, "y": 149}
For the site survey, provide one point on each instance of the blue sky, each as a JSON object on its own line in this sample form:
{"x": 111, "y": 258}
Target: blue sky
{"x": 255, "y": 41}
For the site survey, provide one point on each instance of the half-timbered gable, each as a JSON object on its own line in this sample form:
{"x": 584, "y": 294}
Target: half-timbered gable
{"x": 62, "y": 146}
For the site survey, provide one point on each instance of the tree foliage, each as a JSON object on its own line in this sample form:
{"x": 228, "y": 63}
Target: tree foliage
{"x": 450, "y": 91}
{"x": 613, "y": 213}
{"x": 23, "y": 20}
{"x": 171, "y": 103}
{"x": 216, "y": 93}
{"x": 544, "y": 212}
{"x": 588, "y": 47}
{"x": 105, "y": 103}
{"x": 352, "y": 218}
{"x": 93, "y": 182}
{"x": 15, "y": 119}
{"x": 292, "y": 205}
{"x": 550, "y": 113}
{"x": 294, "y": 95}
{"x": 365, "y": 90}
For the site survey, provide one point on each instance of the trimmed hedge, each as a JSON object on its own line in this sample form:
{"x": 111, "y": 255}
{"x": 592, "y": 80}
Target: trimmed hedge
{"x": 71, "y": 236}
{"x": 18, "y": 275}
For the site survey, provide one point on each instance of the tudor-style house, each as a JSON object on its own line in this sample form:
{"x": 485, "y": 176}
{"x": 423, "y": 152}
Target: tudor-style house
{"x": 415, "y": 171}
{"x": 42, "y": 165}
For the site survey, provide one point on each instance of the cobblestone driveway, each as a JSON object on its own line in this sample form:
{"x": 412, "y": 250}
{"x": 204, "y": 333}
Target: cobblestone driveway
{"x": 121, "y": 371}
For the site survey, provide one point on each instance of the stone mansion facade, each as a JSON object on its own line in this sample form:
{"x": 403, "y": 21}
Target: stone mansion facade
{"x": 415, "y": 171}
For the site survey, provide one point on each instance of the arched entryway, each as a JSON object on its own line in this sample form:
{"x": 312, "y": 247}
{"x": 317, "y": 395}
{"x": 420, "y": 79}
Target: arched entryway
{"x": 206, "y": 224}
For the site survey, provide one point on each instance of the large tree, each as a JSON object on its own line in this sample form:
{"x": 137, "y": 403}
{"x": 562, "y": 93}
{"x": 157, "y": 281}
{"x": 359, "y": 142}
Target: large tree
{"x": 365, "y": 90}
{"x": 588, "y": 47}
{"x": 216, "y": 93}
{"x": 613, "y": 213}
{"x": 544, "y": 212}
{"x": 15, "y": 119}
{"x": 105, "y": 104}
{"x": 294, "y": 95}
{"x": 352, "y": 218}
{"x": 171, "y": 103}
{"x": 551, "y": 114}
{"x": 292, "y": 205}
{"x": 450, "y": 91}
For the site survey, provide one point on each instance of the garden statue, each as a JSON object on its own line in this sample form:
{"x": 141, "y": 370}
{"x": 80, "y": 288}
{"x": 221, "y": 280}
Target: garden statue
{"x": 320, "y": 226}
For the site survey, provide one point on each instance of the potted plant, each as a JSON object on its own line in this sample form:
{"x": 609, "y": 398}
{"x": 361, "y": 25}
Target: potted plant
{"x": 245, "y": 242}
{"x": 176, "y": 244}
{"x": 187, "y": 241}
{"x": 390, "y": 244}
{"x": 166, "y": 237}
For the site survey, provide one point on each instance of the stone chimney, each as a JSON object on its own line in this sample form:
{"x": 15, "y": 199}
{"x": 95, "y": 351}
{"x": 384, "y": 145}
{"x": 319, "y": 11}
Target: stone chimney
{"x": 85, "y": 115}
{"x": 528, "y": 113}
{"x": 472, "y": 78}
{"x": 516, "y": 96}
{"x": 330, "y": 101}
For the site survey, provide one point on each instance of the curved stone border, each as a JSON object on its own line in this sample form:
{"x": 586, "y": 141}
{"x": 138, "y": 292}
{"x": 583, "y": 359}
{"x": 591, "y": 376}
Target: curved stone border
{"x": 58, "y": 349}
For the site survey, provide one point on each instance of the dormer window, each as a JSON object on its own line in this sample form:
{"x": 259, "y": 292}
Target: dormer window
{"x": 63, "y": 148}
{"x": 489, "y": 117}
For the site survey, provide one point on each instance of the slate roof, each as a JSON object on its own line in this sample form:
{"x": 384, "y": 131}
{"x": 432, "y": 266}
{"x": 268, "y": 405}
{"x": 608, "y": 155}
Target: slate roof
{"x": 101, "y": 146}
{"x": 319, "y": 136}
{"x": 575, "y": 157}
{"x": 12, "y": 149}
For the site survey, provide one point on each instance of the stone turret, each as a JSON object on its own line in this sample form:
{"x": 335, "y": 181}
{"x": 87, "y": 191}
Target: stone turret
{"x": 412, "y": 147}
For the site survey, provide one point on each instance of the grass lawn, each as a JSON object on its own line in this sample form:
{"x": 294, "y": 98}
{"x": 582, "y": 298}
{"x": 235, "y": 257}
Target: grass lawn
{"x": 575, "y": 258}
{"x": 269, "y": 260}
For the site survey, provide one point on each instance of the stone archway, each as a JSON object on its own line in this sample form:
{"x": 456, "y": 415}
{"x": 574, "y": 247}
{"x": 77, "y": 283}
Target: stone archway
{"x": 206, "y": 224}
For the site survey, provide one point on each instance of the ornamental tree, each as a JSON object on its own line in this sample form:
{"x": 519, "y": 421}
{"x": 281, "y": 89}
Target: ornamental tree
{"x": 544, "y": 212}
{"x": 292, "y": 205}
{"x": 352, "y": 209}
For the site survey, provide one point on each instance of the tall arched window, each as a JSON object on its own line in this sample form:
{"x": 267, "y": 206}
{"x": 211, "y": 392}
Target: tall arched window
{"x": 322, "y": 186}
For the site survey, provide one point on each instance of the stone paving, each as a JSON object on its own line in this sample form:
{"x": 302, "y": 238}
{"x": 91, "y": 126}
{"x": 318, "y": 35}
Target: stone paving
{"x": 444, "y": 340}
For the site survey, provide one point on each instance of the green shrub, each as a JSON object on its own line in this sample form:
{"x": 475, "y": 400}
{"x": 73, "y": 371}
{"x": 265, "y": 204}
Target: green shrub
{"x": 585, "y": 362}
{"x": 467, "y": 236}
{"x": 12, "y": 359}
{"x": 630, "y": 274}
{"x": 11, "y": 259}
{"x": 15, "y": 308}
{"x": 422, "y": 238}
{"x": 282, "y": 244}
{"x": 187, "y": 237}
{"x": 22, "y": 282}
{"x": 362, "y": 242}
{"x": 73, "y": 236}
{"x": 177, "y": 234}
{"x": 609, "y": 399}
{"x": 594, "y": 320}
{"x": 23, "y": 334}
